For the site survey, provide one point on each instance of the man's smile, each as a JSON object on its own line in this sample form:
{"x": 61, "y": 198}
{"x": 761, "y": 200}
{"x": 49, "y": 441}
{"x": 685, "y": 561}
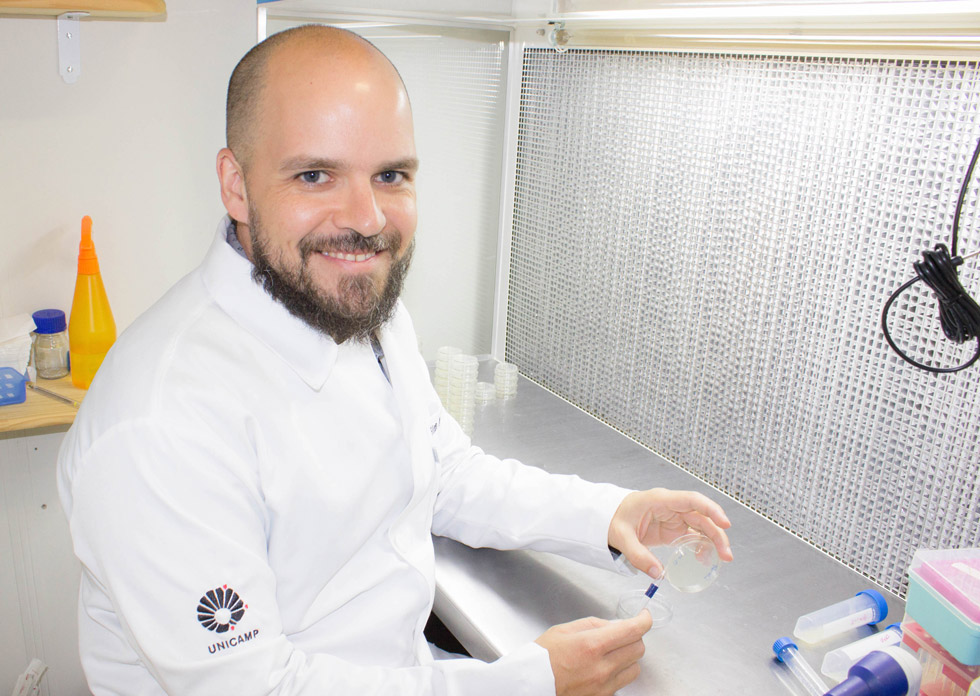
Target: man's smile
{"x": 356, "y": 258}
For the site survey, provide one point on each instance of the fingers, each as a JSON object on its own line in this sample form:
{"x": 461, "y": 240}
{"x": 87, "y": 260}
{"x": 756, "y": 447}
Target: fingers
{"x": 688, "y": 501}
{"x": 587, "y": 624}
{"x": 641, "y": 558}
{"x": 626, "y": 676}
{"x": 626, "y": 656}
{"x": 688, "y": 510}
{"x": 623, "y": 665}
{"x": 713, "y": 532}
{"x": 610, "y": 634}
{"x": 613, "y": 635}
{"x": 592, "y": 656}
{"x": 626, "y": 649}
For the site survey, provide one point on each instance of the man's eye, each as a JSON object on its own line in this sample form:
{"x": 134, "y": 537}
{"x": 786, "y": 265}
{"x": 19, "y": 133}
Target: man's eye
{"x": 391, "y": 177}
{"x": 314, "y": 177}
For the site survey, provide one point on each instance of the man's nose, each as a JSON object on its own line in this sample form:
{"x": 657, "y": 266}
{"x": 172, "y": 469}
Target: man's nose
{"x": 359, "y": 210}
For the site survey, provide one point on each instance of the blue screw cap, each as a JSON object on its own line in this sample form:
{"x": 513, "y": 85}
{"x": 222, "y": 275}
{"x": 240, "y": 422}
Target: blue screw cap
{"x": 781, "y": 644}
{"x": 49, "y": 321}
{"x": 881, "y": 606}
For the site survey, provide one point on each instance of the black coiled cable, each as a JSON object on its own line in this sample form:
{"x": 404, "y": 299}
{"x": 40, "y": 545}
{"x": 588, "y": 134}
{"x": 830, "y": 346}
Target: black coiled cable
{"x": 959, "y": 314}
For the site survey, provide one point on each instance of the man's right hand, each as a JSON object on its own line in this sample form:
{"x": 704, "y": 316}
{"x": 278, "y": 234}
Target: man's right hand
{"x": 593, "y": 657}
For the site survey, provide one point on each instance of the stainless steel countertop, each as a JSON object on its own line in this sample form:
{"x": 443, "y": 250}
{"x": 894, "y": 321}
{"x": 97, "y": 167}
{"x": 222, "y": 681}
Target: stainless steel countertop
{"x": 719, "y": 641}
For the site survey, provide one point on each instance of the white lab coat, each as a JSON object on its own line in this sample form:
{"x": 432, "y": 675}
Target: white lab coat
{"x": 253, "y": 506}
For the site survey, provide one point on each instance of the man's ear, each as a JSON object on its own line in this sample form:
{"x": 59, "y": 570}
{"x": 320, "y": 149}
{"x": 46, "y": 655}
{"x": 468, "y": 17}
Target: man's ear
{"x": 231, "y": 178}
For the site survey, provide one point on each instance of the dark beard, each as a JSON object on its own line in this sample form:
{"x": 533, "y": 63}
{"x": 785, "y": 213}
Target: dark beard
{"x": 357, "y": 311}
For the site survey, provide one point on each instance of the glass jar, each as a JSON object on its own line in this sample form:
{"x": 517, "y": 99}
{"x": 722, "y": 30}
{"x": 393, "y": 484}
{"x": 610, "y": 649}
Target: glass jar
{"x": 50, "y": 344}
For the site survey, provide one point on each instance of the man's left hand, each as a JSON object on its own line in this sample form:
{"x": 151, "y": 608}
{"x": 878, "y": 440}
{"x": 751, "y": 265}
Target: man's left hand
{"x": 659, "y": 516}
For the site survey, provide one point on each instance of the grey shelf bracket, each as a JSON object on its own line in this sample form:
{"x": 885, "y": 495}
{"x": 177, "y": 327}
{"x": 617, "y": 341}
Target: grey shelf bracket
{"x": 69, "y": 46}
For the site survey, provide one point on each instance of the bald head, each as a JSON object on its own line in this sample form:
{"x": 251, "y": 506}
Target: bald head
{"x": 311, "y": 47}
{"x": 319, "y": 177}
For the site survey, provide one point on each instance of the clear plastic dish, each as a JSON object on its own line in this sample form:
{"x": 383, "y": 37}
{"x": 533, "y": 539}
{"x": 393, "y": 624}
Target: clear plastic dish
{"x": 631, "y": 603}
{"x": 692, "y": 566}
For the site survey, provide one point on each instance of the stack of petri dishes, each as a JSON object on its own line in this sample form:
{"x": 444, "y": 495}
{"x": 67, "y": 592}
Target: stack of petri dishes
{"x": 461, "y": 403}
{"x": 505, "y": 380}
{"x": 441, "y": 379}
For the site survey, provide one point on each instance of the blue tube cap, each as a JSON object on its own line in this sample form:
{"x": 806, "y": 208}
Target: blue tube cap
{"x": 881, "y": 606}
{"x": 781, "y": 644}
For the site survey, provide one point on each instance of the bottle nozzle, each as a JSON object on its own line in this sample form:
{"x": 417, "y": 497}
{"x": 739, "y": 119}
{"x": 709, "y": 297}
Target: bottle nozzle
{"x": 88, "y": 262}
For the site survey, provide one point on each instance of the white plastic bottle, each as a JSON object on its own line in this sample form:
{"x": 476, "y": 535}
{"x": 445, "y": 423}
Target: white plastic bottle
{"x": 866, "y": 607}
{"x": 889, "y": 671}
{"x": 837, "y": 662}
{"x": 29, "y": 683}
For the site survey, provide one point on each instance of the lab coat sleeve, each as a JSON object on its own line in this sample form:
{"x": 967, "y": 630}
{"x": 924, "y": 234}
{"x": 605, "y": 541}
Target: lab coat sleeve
{"x": 159, "y": 517}
{"x": 484, "y": 501}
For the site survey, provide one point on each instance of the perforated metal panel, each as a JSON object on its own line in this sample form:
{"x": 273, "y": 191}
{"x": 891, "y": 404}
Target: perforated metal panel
{"x": 702, "y": 246}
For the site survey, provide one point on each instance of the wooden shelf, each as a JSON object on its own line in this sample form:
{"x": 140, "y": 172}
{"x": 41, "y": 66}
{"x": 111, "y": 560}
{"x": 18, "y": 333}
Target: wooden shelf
{"x": 41, "y": 410}
{"x": 123, "y": 9}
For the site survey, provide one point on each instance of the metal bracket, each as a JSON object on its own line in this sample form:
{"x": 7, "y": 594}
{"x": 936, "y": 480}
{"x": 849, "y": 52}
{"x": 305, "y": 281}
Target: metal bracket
{"x": 69, "y": 46}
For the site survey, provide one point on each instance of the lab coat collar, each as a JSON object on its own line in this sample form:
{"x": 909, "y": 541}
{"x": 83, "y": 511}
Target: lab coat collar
{"x": 228, "y": 277}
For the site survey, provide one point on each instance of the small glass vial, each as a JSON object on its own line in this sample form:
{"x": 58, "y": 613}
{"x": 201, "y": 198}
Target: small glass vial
{"x": 50, "y": 344}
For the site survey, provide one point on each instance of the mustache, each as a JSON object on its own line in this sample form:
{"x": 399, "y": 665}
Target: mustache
{"x": 350, "y": 242}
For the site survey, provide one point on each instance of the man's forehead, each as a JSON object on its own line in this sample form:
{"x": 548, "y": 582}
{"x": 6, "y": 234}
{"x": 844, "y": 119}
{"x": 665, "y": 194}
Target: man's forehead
{"x": 333, "y": 80}
{"x": 324, "y": 103}
{"x": 344, "y": 61}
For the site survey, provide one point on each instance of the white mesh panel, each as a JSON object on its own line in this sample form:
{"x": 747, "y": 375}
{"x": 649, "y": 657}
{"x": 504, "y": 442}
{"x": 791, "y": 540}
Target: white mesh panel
{"x": 702, "y": 246}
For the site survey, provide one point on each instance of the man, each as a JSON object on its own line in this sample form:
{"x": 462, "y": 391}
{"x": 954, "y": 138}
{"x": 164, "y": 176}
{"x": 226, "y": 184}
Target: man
{"x": 254, "y": 477}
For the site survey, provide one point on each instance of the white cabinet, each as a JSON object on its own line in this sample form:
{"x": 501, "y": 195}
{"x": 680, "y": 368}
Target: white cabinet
{"x": 38, "y": 571}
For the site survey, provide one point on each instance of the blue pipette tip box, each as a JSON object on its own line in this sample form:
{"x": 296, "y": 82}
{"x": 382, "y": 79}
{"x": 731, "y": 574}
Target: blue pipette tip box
{"x": 13, "y": 387}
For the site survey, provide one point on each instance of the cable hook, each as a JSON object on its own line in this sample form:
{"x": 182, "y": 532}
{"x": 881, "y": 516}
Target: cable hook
{"x": 558, "y": 36}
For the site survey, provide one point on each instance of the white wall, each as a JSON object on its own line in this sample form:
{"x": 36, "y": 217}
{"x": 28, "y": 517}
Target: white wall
{"x": 132, "y": 144}
{"x": 456, "y": 84}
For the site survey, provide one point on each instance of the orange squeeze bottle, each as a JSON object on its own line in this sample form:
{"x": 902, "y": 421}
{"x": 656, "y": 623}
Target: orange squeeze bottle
{"x": 91, "y": 328}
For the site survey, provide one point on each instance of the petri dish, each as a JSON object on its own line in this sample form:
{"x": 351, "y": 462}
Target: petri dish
{"x": 693, "y": 563}
{"x": 692, "y": 566}
{"x": 631, "y": 603}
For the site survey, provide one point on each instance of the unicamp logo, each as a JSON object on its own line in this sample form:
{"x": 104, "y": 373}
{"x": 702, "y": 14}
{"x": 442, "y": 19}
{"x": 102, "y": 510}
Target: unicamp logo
{"x": 220, "y": 609}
